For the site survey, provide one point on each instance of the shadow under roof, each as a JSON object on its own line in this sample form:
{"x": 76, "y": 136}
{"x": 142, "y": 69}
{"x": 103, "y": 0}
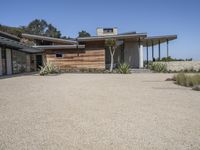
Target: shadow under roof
{"x": 156, "y": 39}
{"x": 118, "y": 37}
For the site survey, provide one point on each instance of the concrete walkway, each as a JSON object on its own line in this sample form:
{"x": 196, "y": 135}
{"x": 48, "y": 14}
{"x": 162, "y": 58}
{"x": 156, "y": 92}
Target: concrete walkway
{"x": 97, "y": 112}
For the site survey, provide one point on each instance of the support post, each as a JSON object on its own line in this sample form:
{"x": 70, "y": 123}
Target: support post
{"x": 147, "y": 55}
{"x": 35, "y": 63}
{"x": 1, "y": 67}
{"x": 167, "y": 48}
{"x": 152, "y": 51}
{"x": 8, "y": 61}
{"x": 159, "y": 50}
{"x": 28, "y": 63}
{"x": 141, "y": 59}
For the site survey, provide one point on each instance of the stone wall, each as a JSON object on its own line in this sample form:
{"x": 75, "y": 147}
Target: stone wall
{"x": 182, "y": 65}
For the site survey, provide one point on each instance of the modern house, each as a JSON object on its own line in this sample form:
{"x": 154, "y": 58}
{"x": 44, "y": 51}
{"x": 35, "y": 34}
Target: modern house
{"x": 83, "y": 52}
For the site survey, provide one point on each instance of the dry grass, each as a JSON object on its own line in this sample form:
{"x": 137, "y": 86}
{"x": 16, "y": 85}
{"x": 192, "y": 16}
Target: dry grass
{"x": 187, "y": 80}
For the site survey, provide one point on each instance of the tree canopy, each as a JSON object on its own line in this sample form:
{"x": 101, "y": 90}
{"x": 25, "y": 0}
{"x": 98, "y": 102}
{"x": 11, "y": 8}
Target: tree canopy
{"x": 41, "y": 27}
{"x": 84, "y": 34}
{"x": 52, "y": 31}
{"x": 36, "y": 27}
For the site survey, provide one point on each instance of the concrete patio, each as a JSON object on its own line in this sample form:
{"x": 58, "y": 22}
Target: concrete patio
{"x": 98, "y": 111}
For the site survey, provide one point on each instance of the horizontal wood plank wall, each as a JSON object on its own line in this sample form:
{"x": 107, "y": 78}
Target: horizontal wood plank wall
{"x": 93, "y": 56}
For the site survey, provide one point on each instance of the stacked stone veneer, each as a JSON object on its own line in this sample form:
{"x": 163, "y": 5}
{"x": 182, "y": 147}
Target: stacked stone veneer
{"x": 182, "y": 65}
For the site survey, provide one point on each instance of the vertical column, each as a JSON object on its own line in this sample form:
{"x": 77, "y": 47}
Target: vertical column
{"x": 1, "y": 67}
{"x": 141, "y": 59}
{"x": 28, "y": 63}
{"x": 158, "y": 50}
{"x": 44, "y": 59}
{"x": 8, "y": 61}
{"x": 167, "y": 48}
{"x": 152, "y": 51}
{"x": 147, "y": 55}
{"x": 35, "y": 64}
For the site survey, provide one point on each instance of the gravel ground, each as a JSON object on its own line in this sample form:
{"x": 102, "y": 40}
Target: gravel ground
{"x": 98, "y": 111}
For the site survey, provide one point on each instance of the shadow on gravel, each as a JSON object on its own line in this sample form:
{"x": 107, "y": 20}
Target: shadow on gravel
{"x": 169, "y": 88}
{"x": 27, "y": 74}
{"x": 19, "y": 75}
{"x": 152, "y": 81}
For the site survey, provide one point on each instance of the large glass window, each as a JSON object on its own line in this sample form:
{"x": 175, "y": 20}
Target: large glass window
{"x": 19, "y": 61}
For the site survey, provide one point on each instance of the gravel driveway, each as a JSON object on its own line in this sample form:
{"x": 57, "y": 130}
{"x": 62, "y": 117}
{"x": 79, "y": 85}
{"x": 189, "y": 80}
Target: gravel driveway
{"x": 98, "y": 112}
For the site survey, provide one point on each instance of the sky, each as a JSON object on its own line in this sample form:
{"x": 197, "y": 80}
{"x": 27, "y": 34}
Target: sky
{"x": 156, "y": 17}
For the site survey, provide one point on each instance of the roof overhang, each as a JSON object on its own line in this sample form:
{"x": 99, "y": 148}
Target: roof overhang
{"x": 45, "y": 47}
{"x": 18, "y": 46}
{"x": 9, "y": 36}
{"x": 117, "y": 37}
{"x": 45, "y": 38}
{"x": 154, "y": 40}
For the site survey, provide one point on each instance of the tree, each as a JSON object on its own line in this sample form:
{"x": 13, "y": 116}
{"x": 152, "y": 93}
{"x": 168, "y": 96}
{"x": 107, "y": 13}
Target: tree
{"x": 52, "y": 32}
{"x": 84, "y": 34}
{"x": 37, "y": 27}
{"x": 41, "y": 27}
{"x": 112, "y": 45}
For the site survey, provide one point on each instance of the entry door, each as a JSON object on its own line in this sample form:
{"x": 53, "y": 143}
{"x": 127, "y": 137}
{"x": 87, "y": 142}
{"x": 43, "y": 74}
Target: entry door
{"x": 39, "y": 61}
{"x": 3, "y": 56}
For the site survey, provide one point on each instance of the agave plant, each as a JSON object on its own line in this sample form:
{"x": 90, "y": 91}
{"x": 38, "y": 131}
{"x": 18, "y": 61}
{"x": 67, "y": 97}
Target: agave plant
{"x": 48, "y": 69}
{"x": 124, "y": 68}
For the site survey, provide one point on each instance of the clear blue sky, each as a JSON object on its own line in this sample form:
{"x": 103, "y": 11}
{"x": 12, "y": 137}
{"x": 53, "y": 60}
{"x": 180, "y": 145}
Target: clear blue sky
{"x": 156, "y": 17}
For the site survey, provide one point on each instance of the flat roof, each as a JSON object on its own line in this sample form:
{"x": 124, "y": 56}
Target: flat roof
{"x": 45, "y": 38}
{"x": 118, "y": 37}
{"x": 18, "y": 45}
{"x": 156, "y": 39}
{"x": 10, "y": 36}
{"x": 60, "y": 47}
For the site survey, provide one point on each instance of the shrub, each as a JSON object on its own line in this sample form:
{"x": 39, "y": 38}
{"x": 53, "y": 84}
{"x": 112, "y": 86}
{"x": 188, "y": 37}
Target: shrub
{"x": 169, "y": 58}
{"x": 48, "y": 69}
{"x": 124, "y": 68}
{"x": 158, "y": 67}
{"x": 187, "y": 80}
{"x": 180, "y": 79}
{"x": 195, "y": 80}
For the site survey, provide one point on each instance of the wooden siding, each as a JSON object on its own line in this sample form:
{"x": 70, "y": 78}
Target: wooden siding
{"x": 87, "y": 58}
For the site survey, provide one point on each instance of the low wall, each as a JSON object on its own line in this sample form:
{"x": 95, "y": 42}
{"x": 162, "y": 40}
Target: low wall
{"x": 182, "y": 65}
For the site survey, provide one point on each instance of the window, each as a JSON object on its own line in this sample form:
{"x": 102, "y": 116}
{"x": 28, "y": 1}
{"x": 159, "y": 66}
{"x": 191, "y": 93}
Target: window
{"x": 59, "y": 55}
{"x": 19, "y": 63}
{"x": 108, "y": 30}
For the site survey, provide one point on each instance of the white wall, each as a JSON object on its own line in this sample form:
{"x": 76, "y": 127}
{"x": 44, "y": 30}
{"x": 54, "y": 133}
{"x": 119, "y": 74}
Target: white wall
{"x": 131, "y": 54}
{"x": 1, "y": 69}
{"x": 141, "y": 56}
{"x": 8, "y": 61}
